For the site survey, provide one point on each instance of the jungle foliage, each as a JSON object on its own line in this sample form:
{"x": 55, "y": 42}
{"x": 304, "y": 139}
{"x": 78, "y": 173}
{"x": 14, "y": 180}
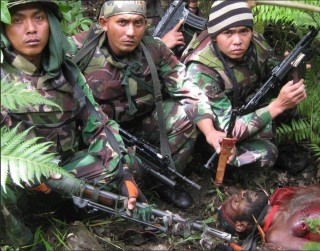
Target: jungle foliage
{"x": 23, "y": 159}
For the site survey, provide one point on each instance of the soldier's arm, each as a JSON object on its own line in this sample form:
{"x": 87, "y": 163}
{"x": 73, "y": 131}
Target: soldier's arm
{"x": 93, "y": 130}
{"x": 172, "y": 73}
{"x": 220, "y": 104}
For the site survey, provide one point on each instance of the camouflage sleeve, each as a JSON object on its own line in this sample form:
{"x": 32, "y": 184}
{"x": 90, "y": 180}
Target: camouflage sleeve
{"x": 76, "y": 42}
{"x": 210, "y": 83}
{"x": 181, "y": 88}
{"x": 93, "y": 130}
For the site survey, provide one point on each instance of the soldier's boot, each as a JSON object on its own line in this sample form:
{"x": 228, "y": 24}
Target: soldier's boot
{"x": 178, "y": 197}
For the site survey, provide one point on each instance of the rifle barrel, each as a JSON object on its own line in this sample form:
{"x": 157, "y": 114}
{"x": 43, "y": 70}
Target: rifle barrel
{"x": 194, "y": 225}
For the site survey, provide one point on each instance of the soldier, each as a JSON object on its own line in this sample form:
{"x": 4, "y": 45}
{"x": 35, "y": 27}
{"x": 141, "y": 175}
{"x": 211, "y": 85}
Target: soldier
{"x": 34, "y": 48}
{"x": 126, "y": 68}
{"x": 289, "y": 218}
{"x": 229, "y": 62}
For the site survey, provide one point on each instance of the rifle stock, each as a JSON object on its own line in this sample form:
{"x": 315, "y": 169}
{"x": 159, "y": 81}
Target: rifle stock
{"x": 226, "y": 146}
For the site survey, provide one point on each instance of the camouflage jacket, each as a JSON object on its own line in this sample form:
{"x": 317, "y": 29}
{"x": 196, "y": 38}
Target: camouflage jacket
{"x": 66, "y": 137}
{"x": 108, "y": 77}
{"x": 205, "y": 69}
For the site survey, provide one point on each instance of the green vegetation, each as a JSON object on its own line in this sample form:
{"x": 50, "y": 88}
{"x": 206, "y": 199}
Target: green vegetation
{"x": 23, "y": 159}
{"x": 286, "y": 26}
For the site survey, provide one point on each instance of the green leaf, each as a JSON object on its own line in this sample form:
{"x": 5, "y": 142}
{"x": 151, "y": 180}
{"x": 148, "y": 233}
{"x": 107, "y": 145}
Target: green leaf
{"x": 15, "y": 95}
{"x": 24, "y": 160}
{"x": 5, "y": 14}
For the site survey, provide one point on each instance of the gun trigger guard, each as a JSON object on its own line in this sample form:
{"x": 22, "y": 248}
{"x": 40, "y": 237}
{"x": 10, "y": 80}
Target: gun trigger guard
{"x": 79, "y": 202}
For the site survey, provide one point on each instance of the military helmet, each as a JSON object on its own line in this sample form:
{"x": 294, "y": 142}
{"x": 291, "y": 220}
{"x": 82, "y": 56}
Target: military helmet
{"x": 46, "y": 3}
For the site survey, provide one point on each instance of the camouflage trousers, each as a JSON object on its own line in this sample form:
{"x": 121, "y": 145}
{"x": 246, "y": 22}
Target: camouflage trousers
{"x": 256, "y": 152}
{"x": 181, "y": 132}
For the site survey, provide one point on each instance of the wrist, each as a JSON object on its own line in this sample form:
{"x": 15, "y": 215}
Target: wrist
{"x": 275, "y": 109}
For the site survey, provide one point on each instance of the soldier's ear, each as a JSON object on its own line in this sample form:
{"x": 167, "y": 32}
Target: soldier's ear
{"x": 241, "y": 226}
{"x": 103, "y": 22}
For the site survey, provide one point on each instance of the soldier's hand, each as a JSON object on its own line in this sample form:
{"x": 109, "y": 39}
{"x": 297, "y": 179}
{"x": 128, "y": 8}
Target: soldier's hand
{"x": 128, "y": 187}
{"x": 42, "y": 187}
{"x": 289, "y": 97}
{"x": 174, "y": 37}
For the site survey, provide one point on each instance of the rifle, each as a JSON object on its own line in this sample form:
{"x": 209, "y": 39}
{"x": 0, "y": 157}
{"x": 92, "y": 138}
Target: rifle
{"x": 226, "y": 146}
{"x": 295, "y": 61}
{"x": 88, "y": 196}
{"x": 153, "y": 162}
{"x": 177, "y": 11}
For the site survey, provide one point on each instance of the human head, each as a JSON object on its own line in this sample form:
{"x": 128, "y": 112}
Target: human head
{"x": 125, "y": 24}
{"x": 230, "y": 26}
{"x": 235, "y": 214}
{"x": 28, "y": 33}
{"x": 228, "y": 14}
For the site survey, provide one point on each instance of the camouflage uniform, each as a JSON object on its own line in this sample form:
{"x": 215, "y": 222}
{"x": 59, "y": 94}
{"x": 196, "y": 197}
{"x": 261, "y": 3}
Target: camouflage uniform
{"x": 108, "y": 79}
{"x": 253, "y": 131}
{"x": 100, "y": 163}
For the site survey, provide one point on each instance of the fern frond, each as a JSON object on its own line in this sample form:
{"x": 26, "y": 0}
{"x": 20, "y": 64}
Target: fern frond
{"x": 315, "y": 149}
{"x": 297, "y": 130}
{"x": 14, "y": 95}
{"x": 23, "y": 160}
{"x": 299, "y": 18}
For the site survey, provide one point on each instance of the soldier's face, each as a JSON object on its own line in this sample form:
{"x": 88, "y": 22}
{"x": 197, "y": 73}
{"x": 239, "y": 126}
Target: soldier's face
{"x": 29, "y": 31}
{"x": 124, "y": 32}
{"x": 234, "y": 42}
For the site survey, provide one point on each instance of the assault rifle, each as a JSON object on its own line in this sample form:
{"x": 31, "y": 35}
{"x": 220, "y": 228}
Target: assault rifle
{"x": 89, "y": 197}
{"x": 177, "y": 11}
{"x": 295, "y": 61}
{"x": 153, "y": 162}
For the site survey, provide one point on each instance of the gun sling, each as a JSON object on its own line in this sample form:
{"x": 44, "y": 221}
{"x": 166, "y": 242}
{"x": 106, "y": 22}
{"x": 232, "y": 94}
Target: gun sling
{"x": 164, "y": 145}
